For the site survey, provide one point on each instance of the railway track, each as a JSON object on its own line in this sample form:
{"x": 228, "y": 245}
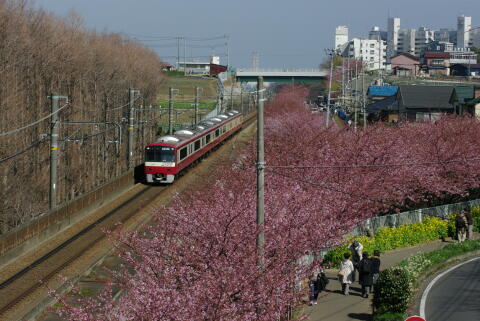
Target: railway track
{"x": 23, "y": 283}
{"x": 17, "y": 288}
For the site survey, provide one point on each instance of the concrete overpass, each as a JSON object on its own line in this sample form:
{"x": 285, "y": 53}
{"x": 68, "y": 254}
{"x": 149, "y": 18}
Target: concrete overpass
{"x": 280, "y": 75}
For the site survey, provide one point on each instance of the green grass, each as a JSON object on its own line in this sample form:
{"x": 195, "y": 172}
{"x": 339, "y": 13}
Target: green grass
{"x": 188, "y": 104}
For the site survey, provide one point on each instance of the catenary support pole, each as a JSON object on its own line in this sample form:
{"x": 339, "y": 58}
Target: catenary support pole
{"x": 241, "y": 100}
{"x": 131, "y": 127}
{"x": 196, "y": 105}
{"x": 170, "y": 116}
{"x": 54, "y": 149}
{"x": 184, "y": 56}
{"x": 53, "y": 152}
{"x": 260, "y": 173}
{"x": 231, "y": 95}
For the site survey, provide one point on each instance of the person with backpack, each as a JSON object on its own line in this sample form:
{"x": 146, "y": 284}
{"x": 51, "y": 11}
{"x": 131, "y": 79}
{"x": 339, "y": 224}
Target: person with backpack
{"x": 365, "y": 269}
{"x": 320, "y": 284}
{"x": 375, "y": 266}
{"x": 461, "y": 226}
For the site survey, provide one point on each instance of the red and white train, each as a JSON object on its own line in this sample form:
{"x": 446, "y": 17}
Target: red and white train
{"x": 169, "y": 155}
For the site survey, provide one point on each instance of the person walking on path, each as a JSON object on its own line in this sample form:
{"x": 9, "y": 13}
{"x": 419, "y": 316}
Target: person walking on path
{"x": 357, "y": 249}
{"x": 345, "y": 275}
{"x": 461, "y": 226}
{"x": 365, "y": 275}
{"x": 375, "y": 266}
{"x": 469, "y": 218}
{"x": 320, "y": 284}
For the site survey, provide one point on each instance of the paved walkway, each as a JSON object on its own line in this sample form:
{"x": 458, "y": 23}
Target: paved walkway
{"x": 334, "y": 306}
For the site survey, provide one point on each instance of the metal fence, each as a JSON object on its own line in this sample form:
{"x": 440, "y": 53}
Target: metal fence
{"x": 414, "y": 216}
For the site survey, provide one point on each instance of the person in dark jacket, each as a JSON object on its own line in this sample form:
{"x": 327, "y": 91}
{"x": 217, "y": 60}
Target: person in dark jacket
{"x": 375, "y": 266}
{"x": 366, "y": 275}
{"x": 469, "y": 217}
{"x": 461, "y": 226}
{"x": 320, "y": 284}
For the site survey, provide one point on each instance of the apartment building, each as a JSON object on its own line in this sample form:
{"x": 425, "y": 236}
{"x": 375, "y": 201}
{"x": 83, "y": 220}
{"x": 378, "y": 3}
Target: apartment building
{"x": 371, "y": 52}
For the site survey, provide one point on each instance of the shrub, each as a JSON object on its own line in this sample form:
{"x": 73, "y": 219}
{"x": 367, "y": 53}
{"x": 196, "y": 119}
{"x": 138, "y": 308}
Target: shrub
{"x": 389, "y": 238}
{"x": 392, "y": 291}
{"x": 389, "y": 317}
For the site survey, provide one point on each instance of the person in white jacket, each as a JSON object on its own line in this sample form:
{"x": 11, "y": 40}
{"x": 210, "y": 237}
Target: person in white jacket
{"x": 345, "y": 275}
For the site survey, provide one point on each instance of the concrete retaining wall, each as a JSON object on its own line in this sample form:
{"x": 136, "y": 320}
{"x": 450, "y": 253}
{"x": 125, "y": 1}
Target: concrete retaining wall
{"x": 24, "y": 237}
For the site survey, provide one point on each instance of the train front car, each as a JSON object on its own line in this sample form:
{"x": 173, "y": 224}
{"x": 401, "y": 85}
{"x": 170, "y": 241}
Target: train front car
{"x": 172, "y": 154}
{"x": 160, "y": 161}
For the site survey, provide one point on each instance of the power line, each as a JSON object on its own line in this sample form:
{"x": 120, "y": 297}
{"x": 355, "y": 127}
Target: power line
{"x": 378, "y": 165}
{"x": 106, "y": 110}
{"x": 13, "y": 131}
{"x": 23, "y": 150}
{"x": 327, "y": 187}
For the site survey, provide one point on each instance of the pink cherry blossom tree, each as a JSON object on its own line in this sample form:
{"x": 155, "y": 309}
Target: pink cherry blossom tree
{"x": 199, "y": 260}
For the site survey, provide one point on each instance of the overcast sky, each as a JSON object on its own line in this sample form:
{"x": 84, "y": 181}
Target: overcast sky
{"x": 284, "y": 33}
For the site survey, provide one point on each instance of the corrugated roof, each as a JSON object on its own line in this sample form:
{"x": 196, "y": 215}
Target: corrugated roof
{"x": 427, "y": 96}
{"x": 383, "y": 91}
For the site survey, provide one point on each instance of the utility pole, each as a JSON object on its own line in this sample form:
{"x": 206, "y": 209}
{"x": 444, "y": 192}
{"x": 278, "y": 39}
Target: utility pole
{"x": 241, "y": 99}
{"x": 231, "y": 95}
{"x": 184, "y": 56}
{"x": 327, "y": 119}
{"x": 54, "y": 150}
{"x": 196, "y": 105}
{"x": 178, "y": 53}
{"x": 363, "y": 96}
{"x": 356, "y": 96}
{"x": 170, "y": 105}
{"x": 343, "y": 83}
{"x": 260, "y": 174}
{"x": 131, "y": 127}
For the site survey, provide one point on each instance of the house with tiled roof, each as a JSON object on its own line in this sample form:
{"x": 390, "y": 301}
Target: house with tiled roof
{"x": 436, "y": 63}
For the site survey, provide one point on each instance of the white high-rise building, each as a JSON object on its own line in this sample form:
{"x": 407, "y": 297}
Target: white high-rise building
{"x": 372, "y": 52}
{"x": 341, "y": 36}
{"x": 464, "y": 24}
{"x": 392, "y": 36}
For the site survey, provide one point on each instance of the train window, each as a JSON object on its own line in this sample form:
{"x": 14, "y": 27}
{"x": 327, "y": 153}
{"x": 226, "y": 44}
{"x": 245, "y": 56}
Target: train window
{"x": 217, "y": 132}
{"x": 183, "y": 153}
{"x": 197, "y": 145}
{"x": 160, "y": 154}
{"x": 208, "y": 138}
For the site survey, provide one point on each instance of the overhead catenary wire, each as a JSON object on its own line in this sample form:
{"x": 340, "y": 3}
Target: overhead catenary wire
{"x": 13, "y": 131}
{"x": 328, "y": 187}
{"x": 26, "y": 149}
{"x": 106, "y": 110}
{"x": 463, "y": 160}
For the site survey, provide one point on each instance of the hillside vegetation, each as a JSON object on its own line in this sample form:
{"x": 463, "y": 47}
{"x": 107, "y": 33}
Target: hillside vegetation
{"x": 39, "y": 55}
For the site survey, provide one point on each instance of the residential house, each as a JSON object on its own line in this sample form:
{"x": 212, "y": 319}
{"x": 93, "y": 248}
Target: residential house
{"x": 426, "y": 102}
{"x": 381, "y": 92}
{"x": 464, "y": 95}
{"x": 436, "y": 63}
{"x": 405, "y": 64}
